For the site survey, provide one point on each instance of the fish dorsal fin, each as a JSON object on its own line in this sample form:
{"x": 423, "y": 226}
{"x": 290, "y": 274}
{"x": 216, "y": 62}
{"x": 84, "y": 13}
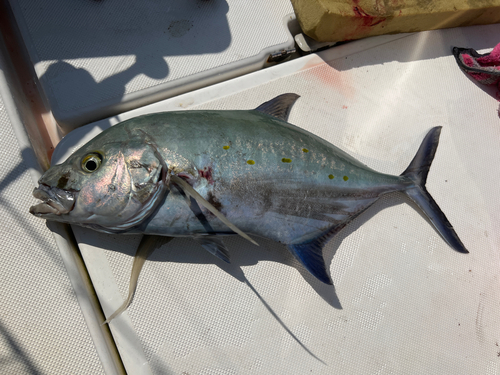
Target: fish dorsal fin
{"x": 279, "y": 107}
{"x": 214, "y": 245}
{"x": 310, "y": 253}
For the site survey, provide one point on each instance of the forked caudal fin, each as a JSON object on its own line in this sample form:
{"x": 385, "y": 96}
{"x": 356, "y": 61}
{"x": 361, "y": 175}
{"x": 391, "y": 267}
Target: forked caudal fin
{"x": 417, "y": 171}
{"x": 309, "y": 253}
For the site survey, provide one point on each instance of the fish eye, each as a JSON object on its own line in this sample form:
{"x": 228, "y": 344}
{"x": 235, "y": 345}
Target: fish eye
{"x": 91, "y": 162}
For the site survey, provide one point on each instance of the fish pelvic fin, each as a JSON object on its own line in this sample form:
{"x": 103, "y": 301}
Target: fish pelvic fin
{"x": 417, "y": 172}
{"x": 279, "y": 107}
{"x": 310, "y": 253}
{"x": 214, "y": 245}
{"x": 146, "y": 247}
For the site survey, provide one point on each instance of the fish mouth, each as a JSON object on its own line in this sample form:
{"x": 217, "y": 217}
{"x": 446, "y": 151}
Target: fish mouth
{"x": 55, "y": 201}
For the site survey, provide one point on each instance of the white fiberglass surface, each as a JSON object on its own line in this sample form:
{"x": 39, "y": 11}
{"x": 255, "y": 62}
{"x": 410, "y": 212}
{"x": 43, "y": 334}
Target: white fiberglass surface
{"x": 98, "y": 58}
{"x": 402, "y": 301}
{"x": 42, "y": 328}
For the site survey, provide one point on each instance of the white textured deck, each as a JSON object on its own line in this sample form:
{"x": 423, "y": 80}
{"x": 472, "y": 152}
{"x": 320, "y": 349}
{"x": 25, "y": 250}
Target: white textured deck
{"x": 99, "y": 58}
{"x": 42, "y": 329}
{"x": 403, "y": 302}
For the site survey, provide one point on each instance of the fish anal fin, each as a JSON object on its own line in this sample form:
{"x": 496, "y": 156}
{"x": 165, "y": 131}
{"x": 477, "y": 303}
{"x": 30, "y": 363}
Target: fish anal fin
{"x": 214, "y": 245}
{"x": 310, "y": 253}
{"x": 279, "y": 107}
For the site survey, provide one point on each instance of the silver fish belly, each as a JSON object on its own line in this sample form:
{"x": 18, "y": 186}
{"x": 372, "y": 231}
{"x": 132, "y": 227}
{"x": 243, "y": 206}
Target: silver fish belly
{"x": 206, "y": 174}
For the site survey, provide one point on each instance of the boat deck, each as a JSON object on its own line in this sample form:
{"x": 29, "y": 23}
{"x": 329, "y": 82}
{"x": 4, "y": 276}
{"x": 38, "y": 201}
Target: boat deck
{"x": 402, "y": 301}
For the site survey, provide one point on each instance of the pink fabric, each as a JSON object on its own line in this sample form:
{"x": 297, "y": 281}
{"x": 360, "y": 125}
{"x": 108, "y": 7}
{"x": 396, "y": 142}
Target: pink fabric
{"x": 485, "y": 68}
{"x": 491, "y": 59}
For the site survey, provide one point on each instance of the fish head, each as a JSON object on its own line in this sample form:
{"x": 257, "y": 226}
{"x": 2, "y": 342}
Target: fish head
{"x": 106, "y": 185}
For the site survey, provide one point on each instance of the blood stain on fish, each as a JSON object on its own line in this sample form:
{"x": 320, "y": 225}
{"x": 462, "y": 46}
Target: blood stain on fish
{"x": 206, "y": 173}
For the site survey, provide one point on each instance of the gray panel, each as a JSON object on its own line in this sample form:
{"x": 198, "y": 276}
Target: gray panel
{"x": 42, "y": 329}
{"x": 403, "y": 302}
{"x": 91, "y": 56}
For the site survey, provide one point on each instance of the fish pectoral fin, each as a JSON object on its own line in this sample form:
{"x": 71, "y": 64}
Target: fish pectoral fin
{"x": 146, "y": 247}
{"x": 310, "y": 253}
{"x": 214, "y": 245}
{"x": 279, "y": 107}
{"x": 188, "y": 190}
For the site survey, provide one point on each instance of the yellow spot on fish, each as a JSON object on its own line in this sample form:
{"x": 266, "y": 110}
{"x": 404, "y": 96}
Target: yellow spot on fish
{"x": 286, "y": 160}
{"x": 305, "y": 150}
{"x": 331, "y": 176}
{"x": 251, "y": 162}
{"x": 226, "y": 147}
{"x": 346, "y": 178}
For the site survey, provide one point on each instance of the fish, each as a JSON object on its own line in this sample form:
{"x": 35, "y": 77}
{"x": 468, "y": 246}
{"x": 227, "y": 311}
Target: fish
{"x": 211, "y": 173}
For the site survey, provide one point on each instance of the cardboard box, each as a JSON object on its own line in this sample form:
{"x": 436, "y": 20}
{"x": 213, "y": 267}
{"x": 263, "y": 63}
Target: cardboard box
{"x": 340, "y": 20}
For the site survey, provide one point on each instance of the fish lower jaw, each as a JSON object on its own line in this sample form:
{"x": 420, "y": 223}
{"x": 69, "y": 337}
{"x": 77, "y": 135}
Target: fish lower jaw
{"x": 42, "y": 209}
{"x": 52, "y": 203}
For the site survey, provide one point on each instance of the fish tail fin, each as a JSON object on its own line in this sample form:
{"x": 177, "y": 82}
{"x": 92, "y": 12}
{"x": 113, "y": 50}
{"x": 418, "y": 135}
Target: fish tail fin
{"x": 417, "y": 172}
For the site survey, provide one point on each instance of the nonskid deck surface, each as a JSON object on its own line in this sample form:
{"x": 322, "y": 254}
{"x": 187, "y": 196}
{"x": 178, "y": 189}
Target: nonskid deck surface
{"x": 394, "y": 277}
{"x": 42, "y": 329}
{"x": 402, "y": 300}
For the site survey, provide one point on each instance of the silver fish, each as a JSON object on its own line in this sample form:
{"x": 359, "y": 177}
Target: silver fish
{"x": 209, "y": 174}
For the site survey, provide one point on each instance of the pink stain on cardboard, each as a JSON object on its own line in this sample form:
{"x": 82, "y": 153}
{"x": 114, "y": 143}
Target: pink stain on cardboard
{"x": 367, "y": 20}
